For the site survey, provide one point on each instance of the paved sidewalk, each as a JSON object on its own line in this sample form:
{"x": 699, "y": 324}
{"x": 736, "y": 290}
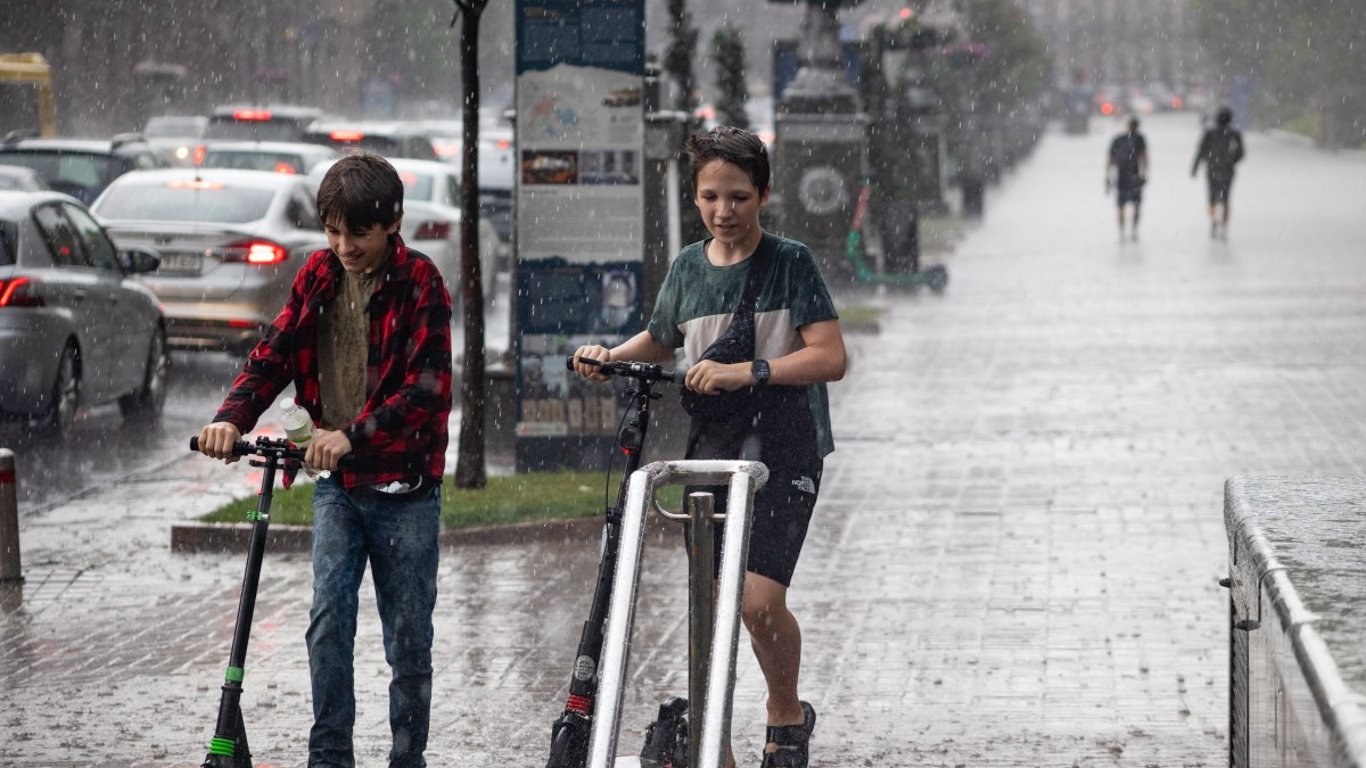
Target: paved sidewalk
{"x": 1015, "y": 558}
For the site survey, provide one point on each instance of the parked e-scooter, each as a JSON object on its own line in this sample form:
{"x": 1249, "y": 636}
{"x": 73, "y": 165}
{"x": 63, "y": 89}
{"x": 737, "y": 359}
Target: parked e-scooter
{"x": 570, "y": 733}
{"x": 228, "y": 748}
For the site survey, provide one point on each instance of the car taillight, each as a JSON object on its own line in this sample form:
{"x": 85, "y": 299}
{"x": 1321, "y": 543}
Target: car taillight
{"x": 433, "y": 230}
{"x": 259, "y": 252}
{"x": 285, "y": 168}
{"x": 251, "y": 114}
{"x": 18, "y": 292}
{"x": 199, "y": 151}
{"x": 347, "y": 135}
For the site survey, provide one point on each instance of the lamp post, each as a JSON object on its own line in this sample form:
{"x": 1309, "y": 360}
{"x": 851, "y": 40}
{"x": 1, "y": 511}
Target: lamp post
{"x": 821, "y": 137}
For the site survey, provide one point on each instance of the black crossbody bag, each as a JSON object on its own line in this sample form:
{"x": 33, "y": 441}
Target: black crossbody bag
{"x": 736, "y": 345}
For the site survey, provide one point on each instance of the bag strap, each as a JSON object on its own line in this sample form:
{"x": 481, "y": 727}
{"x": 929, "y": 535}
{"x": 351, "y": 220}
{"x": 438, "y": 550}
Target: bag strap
{"x": 758, "y": 268}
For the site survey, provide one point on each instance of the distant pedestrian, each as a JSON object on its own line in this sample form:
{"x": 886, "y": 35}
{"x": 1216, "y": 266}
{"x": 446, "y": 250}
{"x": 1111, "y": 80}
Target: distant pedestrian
{"x": 1221, "y": 149}
{"x": 1126, "y": 168}
{"x": 754, "y": 316}
{"x": 365, "y": 338}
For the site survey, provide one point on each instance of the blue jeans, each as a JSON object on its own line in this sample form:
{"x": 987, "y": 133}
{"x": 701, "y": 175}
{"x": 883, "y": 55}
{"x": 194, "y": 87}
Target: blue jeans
{"x": 399, "y": 539}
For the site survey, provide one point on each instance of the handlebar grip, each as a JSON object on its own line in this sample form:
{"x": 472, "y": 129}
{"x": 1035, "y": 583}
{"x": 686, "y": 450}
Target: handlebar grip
{"x": 239, "y": 448}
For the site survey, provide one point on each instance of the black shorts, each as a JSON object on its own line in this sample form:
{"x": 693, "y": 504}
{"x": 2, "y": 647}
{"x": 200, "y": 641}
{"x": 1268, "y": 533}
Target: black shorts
{"x": 778, "y": 524}
{"x": 1130, "y": 189}
{"x": 1219, "y": 188}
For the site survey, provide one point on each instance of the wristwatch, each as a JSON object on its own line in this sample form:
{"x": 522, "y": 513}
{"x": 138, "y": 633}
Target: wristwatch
{"x": 760, "y": 371}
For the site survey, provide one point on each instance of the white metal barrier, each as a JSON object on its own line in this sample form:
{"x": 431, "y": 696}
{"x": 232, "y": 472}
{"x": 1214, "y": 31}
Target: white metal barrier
{"x": 743, "y": 479}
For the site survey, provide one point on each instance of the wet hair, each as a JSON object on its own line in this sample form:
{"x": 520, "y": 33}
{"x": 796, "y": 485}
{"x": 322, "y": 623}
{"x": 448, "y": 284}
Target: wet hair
{"x": 734, "y": 145}
{"x": 361, "y": 189}
{"x": 1224, "y": 116}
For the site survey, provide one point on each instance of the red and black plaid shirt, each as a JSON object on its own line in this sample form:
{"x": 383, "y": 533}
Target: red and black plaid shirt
{"x": 401, "y": 432}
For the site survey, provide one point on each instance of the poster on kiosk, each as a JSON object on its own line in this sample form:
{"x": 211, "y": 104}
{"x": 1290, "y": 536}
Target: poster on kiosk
{"x": 580, "y": 217}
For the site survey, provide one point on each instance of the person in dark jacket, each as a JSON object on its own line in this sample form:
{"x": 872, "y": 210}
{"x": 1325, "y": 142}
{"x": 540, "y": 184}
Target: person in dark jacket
{"x": 1126, "y": 167}
{"x": 1221, "y": 149}
{"x": 365, "y": 339}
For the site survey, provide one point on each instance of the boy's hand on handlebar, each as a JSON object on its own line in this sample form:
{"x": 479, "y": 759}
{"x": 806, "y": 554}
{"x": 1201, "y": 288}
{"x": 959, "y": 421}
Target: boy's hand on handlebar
{"x": 217, "y": 439}
{"x": 709, "y": 377}
{"x": 592, "y": 352}
{"x": 326, "y": 450}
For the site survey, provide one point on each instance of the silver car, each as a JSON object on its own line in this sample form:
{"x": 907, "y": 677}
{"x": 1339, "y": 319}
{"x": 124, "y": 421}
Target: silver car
{"x": 77, "y": 327}
{"x": 278, "y": 156}
{"x": 230, "y": 244}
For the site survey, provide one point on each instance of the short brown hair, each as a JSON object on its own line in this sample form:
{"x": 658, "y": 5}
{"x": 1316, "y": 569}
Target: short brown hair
{"x": 361, "y": 189}
{"x": 734, "y": 145}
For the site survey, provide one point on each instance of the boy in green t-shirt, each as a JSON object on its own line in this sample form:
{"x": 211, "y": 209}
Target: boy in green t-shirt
{"x": 798, "y": 348}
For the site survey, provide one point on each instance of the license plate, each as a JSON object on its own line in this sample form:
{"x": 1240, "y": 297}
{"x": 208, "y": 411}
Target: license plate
{"x": 181, "y": 263}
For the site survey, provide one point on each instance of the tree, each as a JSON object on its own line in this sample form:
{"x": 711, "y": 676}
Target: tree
{"x": 679, "y": 54}
{"x": 470, "y": 469}
{"x": 732, "y": 91}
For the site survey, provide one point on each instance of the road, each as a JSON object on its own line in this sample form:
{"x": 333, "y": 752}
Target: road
{"x": 1014, "y": 561}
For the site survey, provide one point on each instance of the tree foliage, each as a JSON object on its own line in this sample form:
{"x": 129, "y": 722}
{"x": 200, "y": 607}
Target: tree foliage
{"x": 678, "y": 56}
{"x": 728, "y": 52}
{"x": 1305, "y": 60}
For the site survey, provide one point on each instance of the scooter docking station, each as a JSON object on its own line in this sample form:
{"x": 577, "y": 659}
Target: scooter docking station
{"x": 691, "y": 733}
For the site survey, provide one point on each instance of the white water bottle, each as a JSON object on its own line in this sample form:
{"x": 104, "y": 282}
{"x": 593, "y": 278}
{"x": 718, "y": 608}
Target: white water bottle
{"x": 299, "y": 429}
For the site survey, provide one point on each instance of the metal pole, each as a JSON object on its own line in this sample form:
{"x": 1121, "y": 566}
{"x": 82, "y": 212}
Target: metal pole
{"x": 10, "y": 571}
{"x": 701, "y": 610}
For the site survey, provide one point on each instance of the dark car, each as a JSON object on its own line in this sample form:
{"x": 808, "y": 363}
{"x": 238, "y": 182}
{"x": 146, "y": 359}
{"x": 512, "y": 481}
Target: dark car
{"x": 390, "y": 139}
{"x": 230, "y": 244}
{"x": 296, "y": 157}
{"x": 77, "y": 327}
{"x": 268, "y": 122}
{"x": 82, "y": 168}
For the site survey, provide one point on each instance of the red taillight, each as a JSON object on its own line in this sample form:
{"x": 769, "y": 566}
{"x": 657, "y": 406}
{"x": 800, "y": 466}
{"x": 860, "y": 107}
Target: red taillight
{"x": 199, "y": 152}
{"x": 285, "y": 168}
{"x": 503, "y": 144}
{"x": 346, "y": 135}
{"x": 251, "y": 114}
{"x": 1177, "y": 103}
{"x": 18, "y": 292}
{"x": 262, "y": 253}
{"x": 433, "y": 230}
{"x": 1107, "y": 108}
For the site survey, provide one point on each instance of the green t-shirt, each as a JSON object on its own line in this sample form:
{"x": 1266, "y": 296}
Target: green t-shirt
{"x": 696, "y": 302}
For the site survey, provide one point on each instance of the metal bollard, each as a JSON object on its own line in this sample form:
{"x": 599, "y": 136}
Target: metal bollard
{"x": 701, "y": 612}
{"x": 10, "y": 571}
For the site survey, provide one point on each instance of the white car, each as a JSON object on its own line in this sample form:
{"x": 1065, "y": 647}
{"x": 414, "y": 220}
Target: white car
{"x": 431, "y": 220}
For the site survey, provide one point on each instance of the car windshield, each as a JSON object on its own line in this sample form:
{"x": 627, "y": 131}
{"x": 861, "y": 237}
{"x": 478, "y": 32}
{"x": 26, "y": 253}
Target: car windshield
{"x": 185, "y": 201}
{"x": 416, "y": 186}
{"x": 281, "y": 162}
{"x": 63, "y": 171}
{"x": 229, "y": 127}
{"x": 158, "y": 127}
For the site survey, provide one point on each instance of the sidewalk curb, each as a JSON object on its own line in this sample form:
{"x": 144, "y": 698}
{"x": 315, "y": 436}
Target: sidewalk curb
{"x": 219, "y": 538}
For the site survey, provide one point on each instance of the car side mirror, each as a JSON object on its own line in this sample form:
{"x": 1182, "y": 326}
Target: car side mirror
{"x": 138, "y": 260}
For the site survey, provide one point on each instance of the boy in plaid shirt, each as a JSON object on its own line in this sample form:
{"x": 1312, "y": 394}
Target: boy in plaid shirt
{"x": 365, "y": 339}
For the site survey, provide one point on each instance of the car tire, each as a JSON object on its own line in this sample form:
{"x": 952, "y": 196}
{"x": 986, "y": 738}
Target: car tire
{"x": 60, "y": 417}
{"x": 145, "y": 405}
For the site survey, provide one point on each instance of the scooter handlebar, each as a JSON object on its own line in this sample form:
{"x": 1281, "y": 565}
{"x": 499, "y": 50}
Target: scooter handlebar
{"x": 630, "y": 369}
{"x": 266, "y": 446}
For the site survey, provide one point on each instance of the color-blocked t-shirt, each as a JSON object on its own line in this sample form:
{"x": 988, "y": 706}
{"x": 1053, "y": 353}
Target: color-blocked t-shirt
{"x": 697, "y": 299}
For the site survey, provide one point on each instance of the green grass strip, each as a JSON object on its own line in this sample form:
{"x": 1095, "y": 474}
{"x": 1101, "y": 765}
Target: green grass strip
{"x": 523, "y": 498}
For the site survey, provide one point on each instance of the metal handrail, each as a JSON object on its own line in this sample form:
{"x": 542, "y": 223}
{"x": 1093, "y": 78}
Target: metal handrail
{"x": 743, "y": 479}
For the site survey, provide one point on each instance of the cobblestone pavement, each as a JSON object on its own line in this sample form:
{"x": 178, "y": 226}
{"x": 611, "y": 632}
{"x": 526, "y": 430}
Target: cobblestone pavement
{"x": 1015, "y": 557}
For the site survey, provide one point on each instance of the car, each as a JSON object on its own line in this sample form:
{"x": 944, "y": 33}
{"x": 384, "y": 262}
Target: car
{"x": 19, "y": 178}
{"x": 431, "y": 220}
{"x": 81, "y": 168}
{"x": 496, "y": 169}
{"x": 388, "y": 138}
{"x": 261, "y": 122}
{"x": 176, "y": 137}
{"x": 230, "y": 243}
{"x": 77, "y": 326}
{"x": 278, "y": 156}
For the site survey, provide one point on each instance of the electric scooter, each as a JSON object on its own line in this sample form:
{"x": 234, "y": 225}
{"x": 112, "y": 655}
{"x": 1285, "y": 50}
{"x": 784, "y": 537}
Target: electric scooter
{"x": 228, "y": 748}
{"x": 569, "y": 735}
{"x": 934, "y": 276}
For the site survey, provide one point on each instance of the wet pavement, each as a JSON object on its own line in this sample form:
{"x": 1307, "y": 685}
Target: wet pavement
{"x": 1015, "y": 557}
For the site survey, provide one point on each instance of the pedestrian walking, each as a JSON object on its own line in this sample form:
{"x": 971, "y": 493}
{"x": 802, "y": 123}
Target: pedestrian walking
{"x": 1126, "y": 169}
{"x": 753, "y": 314}
{"x": 365, "y": 339}
{"x": 1221, "y": 149}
